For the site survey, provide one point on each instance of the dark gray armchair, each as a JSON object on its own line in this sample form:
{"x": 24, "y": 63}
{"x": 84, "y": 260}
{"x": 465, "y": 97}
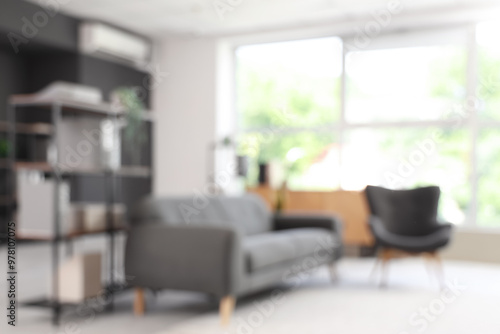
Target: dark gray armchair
{"x": 404, "y": 222}
{"x": 223, "y": 246}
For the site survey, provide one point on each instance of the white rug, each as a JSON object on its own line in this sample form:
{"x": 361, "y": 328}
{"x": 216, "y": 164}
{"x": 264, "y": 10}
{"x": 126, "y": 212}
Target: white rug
{"x": 355, "y": 305}
{"x": 409, "y": 305}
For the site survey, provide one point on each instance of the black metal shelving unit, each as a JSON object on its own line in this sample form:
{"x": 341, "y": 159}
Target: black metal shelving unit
{"x": 58, "y": 109}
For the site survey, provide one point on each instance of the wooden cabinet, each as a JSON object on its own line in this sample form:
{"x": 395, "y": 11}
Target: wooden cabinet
{"x": 351, "y": 206}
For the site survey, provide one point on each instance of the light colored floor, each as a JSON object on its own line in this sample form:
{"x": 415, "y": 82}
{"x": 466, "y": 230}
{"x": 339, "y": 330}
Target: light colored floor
{"x": 355, "y": 304}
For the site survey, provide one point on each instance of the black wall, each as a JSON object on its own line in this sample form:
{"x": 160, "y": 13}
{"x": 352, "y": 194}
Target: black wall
{"x": 12, "y": 74}
{"x": 35, "y": 61}
{"x": 45, "y": 68}
{"x": 59, "y": 32}
{"x": 108, "y": 75}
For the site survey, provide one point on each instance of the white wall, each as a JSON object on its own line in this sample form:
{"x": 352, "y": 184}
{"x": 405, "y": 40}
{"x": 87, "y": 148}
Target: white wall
{"x": 184, "y": 107}
{"x": 470, "y": 245}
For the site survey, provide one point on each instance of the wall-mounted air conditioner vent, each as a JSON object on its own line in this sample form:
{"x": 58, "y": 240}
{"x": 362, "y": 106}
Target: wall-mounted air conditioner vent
{"x": 102, "y": 40}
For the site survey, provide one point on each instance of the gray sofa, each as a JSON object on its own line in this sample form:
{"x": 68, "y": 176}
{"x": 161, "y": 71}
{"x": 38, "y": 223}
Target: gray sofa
{"x": 223, "y": 246}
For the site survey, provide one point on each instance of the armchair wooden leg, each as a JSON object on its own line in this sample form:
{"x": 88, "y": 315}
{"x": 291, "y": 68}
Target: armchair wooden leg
{"x": 429, "y": 267}
{"x": 386, "y": 257}
{"x": 434, "y": 257}
{"x": 375, "y": 267}
{"x": 226, "y": 308}
{"x": 139, "y": 304}
{"x": 440, "y": 271}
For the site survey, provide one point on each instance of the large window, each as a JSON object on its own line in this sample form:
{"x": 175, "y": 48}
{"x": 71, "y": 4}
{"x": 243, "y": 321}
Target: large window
{"x": 404, "y": 84}
{"x": 410, "y": 110}
{"x": 488, "y": 141}
{"x": 288, "y": 96}
{"x": 290, "y": 84}
{"x": 488, "y": 213}
{"x": 488, "y": 88}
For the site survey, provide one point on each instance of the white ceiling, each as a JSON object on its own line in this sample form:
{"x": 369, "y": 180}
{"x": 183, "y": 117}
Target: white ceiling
{"x": 159, "y": 17}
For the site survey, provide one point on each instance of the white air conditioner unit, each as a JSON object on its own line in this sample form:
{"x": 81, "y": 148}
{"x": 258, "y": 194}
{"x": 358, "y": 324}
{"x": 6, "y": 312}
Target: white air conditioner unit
{"x": 109, "y": 42}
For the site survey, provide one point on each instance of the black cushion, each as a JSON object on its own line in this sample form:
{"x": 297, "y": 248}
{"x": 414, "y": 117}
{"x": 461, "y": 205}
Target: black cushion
{"x": 413, "y": 244}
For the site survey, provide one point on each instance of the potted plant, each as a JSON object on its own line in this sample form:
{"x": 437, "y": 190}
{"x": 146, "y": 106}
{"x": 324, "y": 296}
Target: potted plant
{"x": 4, "y": 148}
{"x": 134, "y": 129}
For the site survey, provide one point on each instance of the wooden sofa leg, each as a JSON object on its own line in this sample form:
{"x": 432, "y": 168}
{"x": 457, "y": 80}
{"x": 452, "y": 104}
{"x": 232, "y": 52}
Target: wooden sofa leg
{"x": 139, "y": 304}
{"x": 226, "y": 308}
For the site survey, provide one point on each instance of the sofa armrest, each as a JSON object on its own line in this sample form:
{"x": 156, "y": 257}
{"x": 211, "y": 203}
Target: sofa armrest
{"x": 194, "y": 258}
{"x": 284, "y": 222}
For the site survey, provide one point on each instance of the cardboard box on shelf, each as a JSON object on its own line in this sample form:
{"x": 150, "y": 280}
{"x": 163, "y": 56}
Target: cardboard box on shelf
{"x": 92, "y": 217}
{"x": 36, "y": 206}
{"x": 80, "y": 278}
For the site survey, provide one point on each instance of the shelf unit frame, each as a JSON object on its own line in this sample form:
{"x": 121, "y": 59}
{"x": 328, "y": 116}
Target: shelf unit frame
{"x": 110, "y": 175}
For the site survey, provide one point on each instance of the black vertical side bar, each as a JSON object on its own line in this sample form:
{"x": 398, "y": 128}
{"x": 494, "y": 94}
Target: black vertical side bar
{"x": 12, "y": 180}
{"x": 110, "y": 175}
{"x": 69, "y": 242}
{"x": 109, "y": 184}
{"x": 56, "y": 309}
{"x": 152, "y": 157}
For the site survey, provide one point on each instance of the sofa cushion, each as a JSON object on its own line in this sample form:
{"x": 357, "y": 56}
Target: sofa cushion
{"x": 248, "y": 214}
{"x": 268, "y": 249}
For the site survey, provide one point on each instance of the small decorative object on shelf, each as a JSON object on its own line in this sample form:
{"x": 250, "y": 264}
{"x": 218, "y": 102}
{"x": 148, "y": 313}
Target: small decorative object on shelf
{"x": 91, "y": 217}
{"x": 242, "y": 165}
{"x": 280, "y": 174}
{"x": 281, "y": 198}
{"x": 110, "y": 144}
{"x": 263, "y": 174}
{"x": 68, "y": 91}
{"x": 227, "y": 142}
{"x": 36, "y": 213}
{"x": 225, "y": 151}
